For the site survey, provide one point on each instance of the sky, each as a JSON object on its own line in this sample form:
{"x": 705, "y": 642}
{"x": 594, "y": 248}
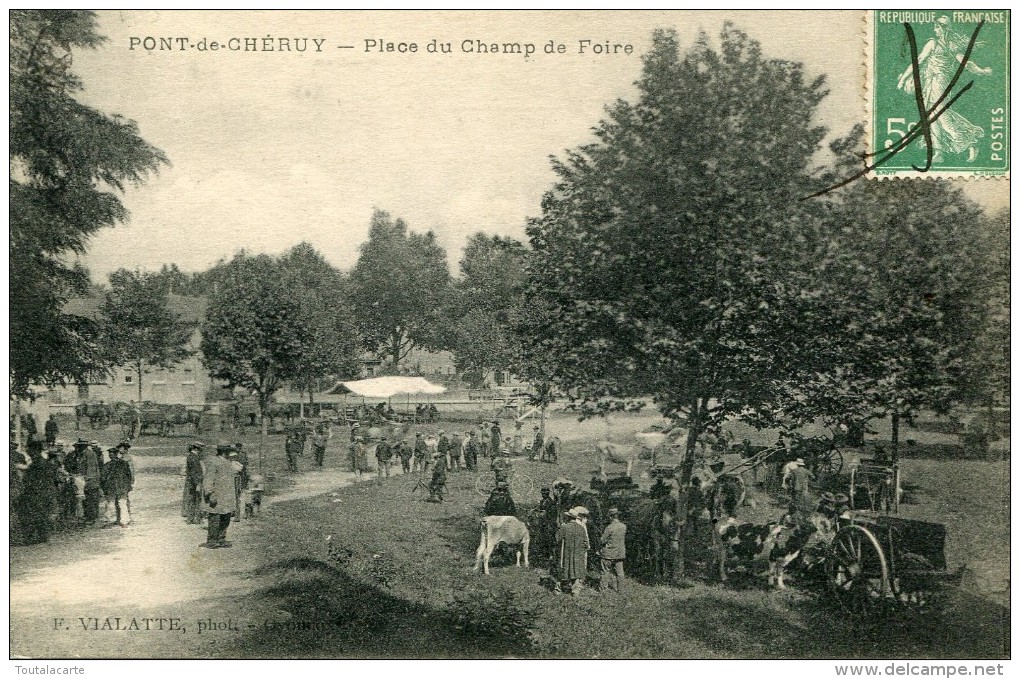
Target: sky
{"x": 269, "y": 149}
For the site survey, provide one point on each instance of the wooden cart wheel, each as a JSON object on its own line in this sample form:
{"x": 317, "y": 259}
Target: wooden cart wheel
{"x": 858, "y": 573}
{"x": 829, "y": 462}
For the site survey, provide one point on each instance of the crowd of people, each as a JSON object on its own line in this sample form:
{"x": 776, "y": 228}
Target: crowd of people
{"x": 219, "y": 488}
{"x": 55, "y": 485}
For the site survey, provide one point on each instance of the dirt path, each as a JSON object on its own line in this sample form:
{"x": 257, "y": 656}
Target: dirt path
{"x": 66, "y": 595}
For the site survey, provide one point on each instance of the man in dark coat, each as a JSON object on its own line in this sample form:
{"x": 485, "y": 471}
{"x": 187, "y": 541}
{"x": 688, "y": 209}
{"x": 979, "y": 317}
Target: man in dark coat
{"x": 548, "y": 522}
{"x": 405, "y": 452}
{"x": 117, "y": 484}
{"x": 52, "y": 430}
{"x": 470, "y": 450}
{"x": 443, "y": 448}
{"x": 421, "y": 451}
{"x": 82, "y": 462}
{"x": 496, "y": 439}
{"x": 37, "y": 502}
{"x": 191, "y": 504}
{"x": 437, "y": 487}
{"x": 500, "y": 503}
{"x": 218, "y": 493}
{"x": 537, "y": 444}
{"x": 572, "y": 538}
{"x": 383, "y": 455}
{"x": 319, "y": 440}
{"x": 291, "y": 447}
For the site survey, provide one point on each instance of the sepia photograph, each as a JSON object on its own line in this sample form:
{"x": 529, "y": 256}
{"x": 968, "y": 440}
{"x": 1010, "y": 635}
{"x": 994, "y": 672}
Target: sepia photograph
{"x": 445, "y": 335}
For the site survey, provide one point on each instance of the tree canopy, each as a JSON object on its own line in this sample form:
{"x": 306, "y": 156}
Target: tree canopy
{"x": 68, "y": 164}
{"x": 400, "y": 287}
{"x": 138, "y": 327}
{"x": 660, "y": 254}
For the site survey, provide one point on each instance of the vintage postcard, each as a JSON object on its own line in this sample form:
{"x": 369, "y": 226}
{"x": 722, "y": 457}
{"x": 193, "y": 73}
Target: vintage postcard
{"x": 480, "y": 334}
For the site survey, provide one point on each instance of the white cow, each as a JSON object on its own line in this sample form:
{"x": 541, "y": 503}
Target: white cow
{"x": 497, "y": 529}
{"x": 650, "y": 445}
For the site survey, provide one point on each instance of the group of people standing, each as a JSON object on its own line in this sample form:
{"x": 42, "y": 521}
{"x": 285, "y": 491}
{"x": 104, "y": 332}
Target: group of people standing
{"x": 213, "y": 487}
{"x": 53, "y": 487}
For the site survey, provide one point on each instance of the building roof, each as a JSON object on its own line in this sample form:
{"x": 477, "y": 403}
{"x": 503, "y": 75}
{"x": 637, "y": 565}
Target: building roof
{"x": 188, "y": 309}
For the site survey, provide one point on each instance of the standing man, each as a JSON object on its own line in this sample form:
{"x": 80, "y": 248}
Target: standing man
{"x": 517, "y": 446}
{"x": 537, "y": 444}
{"x": 51, "y": 429}
{"x": 483, "y": 439}
{"x": 437, "y": 487}
{"x": 117, "y": 484}
{"x": 291, "y": 447}
{"x": 218, "y": 489}
{"x": 37, "y": 502}
{"x": 383, "y": 455}
{"x": 572, "y": 538}
{"x": 421, "y": 452}
{"x": 456, "y": 449}
{"x": 443, "y": 448}
{"x": 613, "y": 551}
{"x": 405, "y": 452}
{"x": 191, "y": 504}
{"x": 359, "y": 456}
{"x": 548, "y": 515}
{"x": 82, "y": 462}
{"x": 495, "y": 439}
{"x": 319, "y": 440}
{"x": 470, "y": 450}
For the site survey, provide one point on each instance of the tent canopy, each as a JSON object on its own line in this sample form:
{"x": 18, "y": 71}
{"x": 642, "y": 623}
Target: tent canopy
{"x": 385, "y": 387}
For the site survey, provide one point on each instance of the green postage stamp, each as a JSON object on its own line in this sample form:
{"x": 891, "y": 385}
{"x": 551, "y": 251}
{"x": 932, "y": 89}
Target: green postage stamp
{"x": 938, "y": 93}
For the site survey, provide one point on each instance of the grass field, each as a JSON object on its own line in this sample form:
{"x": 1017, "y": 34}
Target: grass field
{"x": 407, "y": 589}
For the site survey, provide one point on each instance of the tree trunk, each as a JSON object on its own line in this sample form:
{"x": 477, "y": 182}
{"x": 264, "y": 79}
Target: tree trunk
{"x": 263, "y": 427}
{"x": 896, "y": 437}
{"x": 138, "y": 370}
{"x": 683, "y": 486}
{"x": 395, "y": 338}
{"x": 19, "y": 435}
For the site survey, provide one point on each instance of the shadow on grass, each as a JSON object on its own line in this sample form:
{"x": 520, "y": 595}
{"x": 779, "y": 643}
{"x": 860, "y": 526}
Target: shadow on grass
{"x": 325, "y": 613}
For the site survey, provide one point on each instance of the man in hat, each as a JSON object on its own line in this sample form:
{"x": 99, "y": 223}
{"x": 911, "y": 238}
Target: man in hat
{"x": 613, "y": 551}
{"x": 51, "y": 429}
{"x": 500, "y": 503}
{"x": 437, "y": 487}
{"x": 117, "y": 484}
{"x": 290, "y": 446}
{"x": 83, "y": 463}
{"x": 470, "y": 450}
{"x": 421, "y": 452}
{"x": 319, "y": 440}
{"x": 359, "y": 456}
{"x": 548, "y": 515}
{"x": 798, "y": 482}
{"x": 443, "y": 448}
{"x": 218, "y": 491}
{"x": 354, "y": 430}
{"x": 405, "y": 452}
{"x": 495, "y": 439}
{"x": 191, "y": 503}
{"x": 537, "y": 444}
{"x": 37, "y": 501}
{"x": 483, "y": 439}
{"x": 383, "y": 455}
{"x": 572, "y": 538}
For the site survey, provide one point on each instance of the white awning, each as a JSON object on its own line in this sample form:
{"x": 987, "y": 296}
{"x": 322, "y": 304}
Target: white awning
{"x": 385, "y": 387}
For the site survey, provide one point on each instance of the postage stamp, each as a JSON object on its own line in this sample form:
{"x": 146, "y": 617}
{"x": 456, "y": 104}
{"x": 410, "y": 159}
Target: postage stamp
{"x": 938, "y": 93}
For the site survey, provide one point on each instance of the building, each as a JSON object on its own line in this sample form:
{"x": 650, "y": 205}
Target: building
{"x": 187, "y": 382}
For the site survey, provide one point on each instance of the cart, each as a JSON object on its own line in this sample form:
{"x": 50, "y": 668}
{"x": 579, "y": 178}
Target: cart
{"x": 875, "y": 485}
{"x": 878, "y": 564}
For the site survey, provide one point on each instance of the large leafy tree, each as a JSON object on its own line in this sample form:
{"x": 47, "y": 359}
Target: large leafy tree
{"x": 333, "y": 345}
{"x": 138, "y": 328}
{"x": 666, "y": 255}
{"x": 253, "y": 336}
{"x": 902, "y": 296}
{"x": 68, "y": 163}
{"x": 486, "y": 299}
{"x": 401, "y": 286}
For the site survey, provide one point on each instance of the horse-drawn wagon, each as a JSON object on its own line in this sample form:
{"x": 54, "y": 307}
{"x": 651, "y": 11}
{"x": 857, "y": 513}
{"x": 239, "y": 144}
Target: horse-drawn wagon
{"x": 877, "y": 564}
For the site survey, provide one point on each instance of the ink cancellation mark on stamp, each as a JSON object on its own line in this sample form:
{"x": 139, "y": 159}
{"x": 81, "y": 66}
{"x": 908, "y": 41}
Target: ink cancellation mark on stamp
{"x": 938, "y": 93}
